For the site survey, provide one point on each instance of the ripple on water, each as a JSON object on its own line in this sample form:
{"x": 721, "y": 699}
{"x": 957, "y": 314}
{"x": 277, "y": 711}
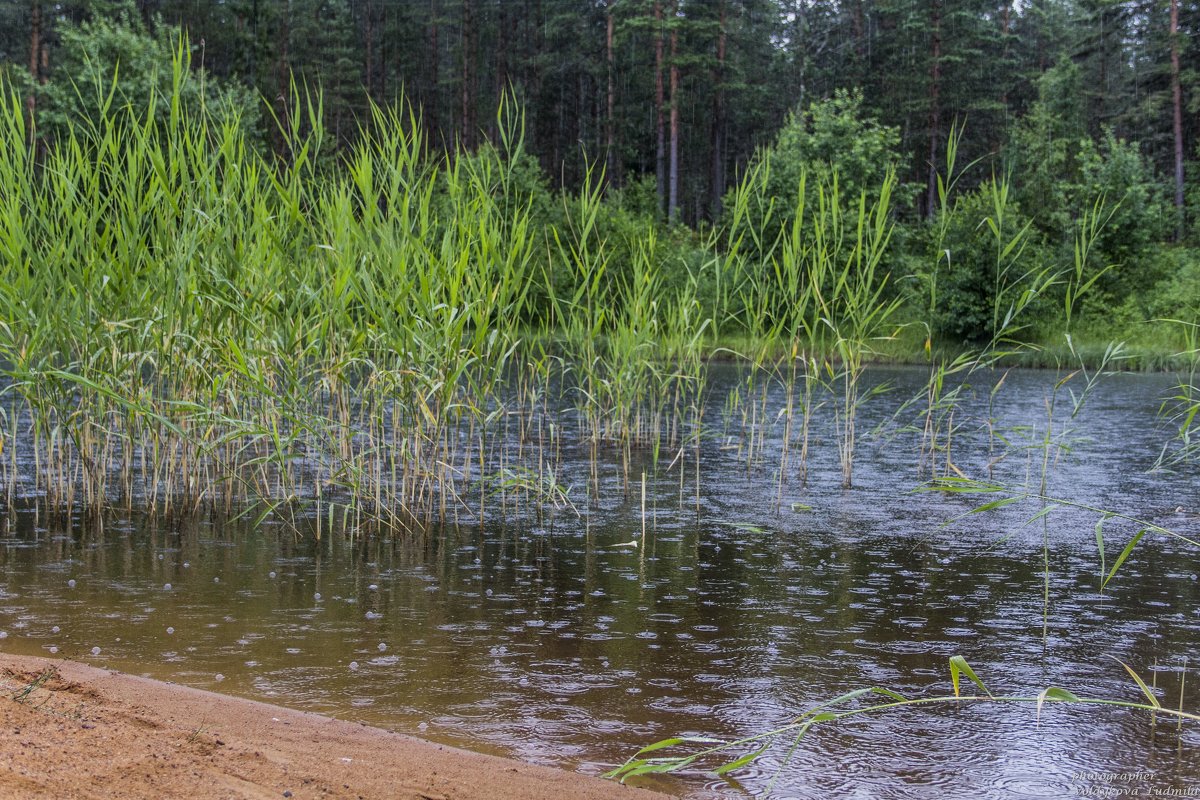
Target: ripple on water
{"x": 384, "y": 661}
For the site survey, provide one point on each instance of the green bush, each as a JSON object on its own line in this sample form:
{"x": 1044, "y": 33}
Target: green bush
{"x": 114, "y": 63}
{"x": 1137, "y": 216}
{"x": 831, "y": 138}
{"x": 980, "y": 279}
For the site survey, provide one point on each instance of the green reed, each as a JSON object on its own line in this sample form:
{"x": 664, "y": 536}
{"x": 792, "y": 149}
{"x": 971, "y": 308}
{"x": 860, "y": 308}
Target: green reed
{"x": 188, "y": 323}
{"x": 390, "y": 334}
{"x": 716, "y": 754}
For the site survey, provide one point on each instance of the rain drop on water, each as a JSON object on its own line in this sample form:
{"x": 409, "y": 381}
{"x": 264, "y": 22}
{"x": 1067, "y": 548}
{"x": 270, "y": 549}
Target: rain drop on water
{"x": 53, "y": 650}
{"x": 220, "y": 677}
{"x": 216, "y": 580}
{"x": 373, "y": 588}
{"x": 271, "y": 574}
{"x": 353, "y": 665}
{"x": 95, "y": 651}
{"x": 166, "y": 587}
{"x": 170, "y": 630}
{"x": 3, "y": 634}
{"x": 382, "y": 647}
{"x": 317, "y": 596}
{"x": 71, "y": 583}
{"x": 55, "y": 629}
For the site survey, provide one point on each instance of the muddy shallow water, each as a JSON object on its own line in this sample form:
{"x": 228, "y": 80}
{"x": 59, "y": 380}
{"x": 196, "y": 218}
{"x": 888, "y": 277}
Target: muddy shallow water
{"x": 551, "y": 640}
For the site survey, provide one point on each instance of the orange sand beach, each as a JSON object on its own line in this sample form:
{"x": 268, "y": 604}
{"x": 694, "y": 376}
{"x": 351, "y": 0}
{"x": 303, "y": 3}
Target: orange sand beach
{"x": 68, "y": 730}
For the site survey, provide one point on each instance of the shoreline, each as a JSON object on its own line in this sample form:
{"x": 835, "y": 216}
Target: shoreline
{"x": 72, "y": 730}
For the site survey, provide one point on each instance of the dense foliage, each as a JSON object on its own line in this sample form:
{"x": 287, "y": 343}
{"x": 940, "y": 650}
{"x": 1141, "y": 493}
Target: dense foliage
{"x": 670, "y": 104}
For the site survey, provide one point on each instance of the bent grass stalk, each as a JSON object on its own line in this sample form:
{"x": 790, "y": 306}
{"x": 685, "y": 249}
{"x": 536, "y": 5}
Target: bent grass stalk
{"x": 1009, "y": 495}
{"x": 749, "y": 749}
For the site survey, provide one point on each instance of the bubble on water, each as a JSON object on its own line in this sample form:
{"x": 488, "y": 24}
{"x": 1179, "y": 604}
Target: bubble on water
{"x": 160, "y": 556}
{"x": 316, "y": 596}
{"x": 166, "y": 587}
{"x": 353, "y": 665}
{"x": 271, "y": 574}
{"x": 53, "y": 650}
{"x": 373, "y": 615}
{"x": 382, "y": 647}
{"x": 216, "y": 580}
{"x": 71, "y": 583}
{"x": 186, "y": 564}
{"x": 3, "y": 634}
{"x": 373, "y": 587}
{"x": 219, "y": 677}
{"x": 488, "y": 592}
{"x": 423, "y": 726}
{"x": 95, "y": 651}
{"x": 55, "y": 629}
{"x": 170, "y": 630}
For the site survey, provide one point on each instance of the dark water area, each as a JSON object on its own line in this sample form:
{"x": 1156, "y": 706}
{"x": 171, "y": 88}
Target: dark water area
{"x": 549, "y": 638}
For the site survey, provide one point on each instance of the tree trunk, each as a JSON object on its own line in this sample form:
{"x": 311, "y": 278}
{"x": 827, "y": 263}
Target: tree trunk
{"x": 468, "y": 75}
{"x": 369, "y": 35}
{"x": 252, "y": 77}
{"x": 1177, "y": 104}
{"x": 716, "y": 174}
{"x": 35, "y": 62}
{"x": 610, "y": 120}
{"x": 503, "y": 43}
{"x": 1005, "y": 29}
{"x": 433, "y": 90}
{"x": 935, "y": 108}
{"x": 800, "y": 53}
{"x": 860, "y": 29}
{"x": 673, "y": 192}
{"x": 283, "y": 75}
{"x": 660, "y": 152}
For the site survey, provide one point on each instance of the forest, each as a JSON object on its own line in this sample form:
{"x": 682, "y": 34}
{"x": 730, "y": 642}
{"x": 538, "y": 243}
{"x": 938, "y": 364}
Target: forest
{"x": 670, "y": 103}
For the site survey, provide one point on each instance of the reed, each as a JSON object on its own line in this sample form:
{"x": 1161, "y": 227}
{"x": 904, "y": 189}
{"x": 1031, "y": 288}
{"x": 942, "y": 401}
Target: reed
{"x": 188, "y": 324}
{"x": 399, "y": 336}
{"x": 714, "y": 754}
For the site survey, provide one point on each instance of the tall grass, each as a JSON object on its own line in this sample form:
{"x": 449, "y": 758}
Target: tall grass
{"x": 392, "y": 335}
{"x": 187, "y": 323}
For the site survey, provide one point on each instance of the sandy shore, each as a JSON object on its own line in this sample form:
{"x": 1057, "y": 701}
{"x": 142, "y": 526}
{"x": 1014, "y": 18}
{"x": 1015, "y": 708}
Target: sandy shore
{"x": 72, "y": 731}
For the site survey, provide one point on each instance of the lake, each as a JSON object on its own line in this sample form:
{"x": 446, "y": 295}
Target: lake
{"x": 546, "y": 635}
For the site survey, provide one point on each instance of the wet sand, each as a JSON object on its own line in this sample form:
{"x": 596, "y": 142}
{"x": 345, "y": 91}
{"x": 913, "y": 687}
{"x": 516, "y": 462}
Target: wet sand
{"x": 68, "y": 730}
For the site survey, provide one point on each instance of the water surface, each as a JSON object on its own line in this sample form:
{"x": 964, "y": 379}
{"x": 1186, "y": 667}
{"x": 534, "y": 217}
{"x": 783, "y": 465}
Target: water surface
{"x": 542, "y": 637}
